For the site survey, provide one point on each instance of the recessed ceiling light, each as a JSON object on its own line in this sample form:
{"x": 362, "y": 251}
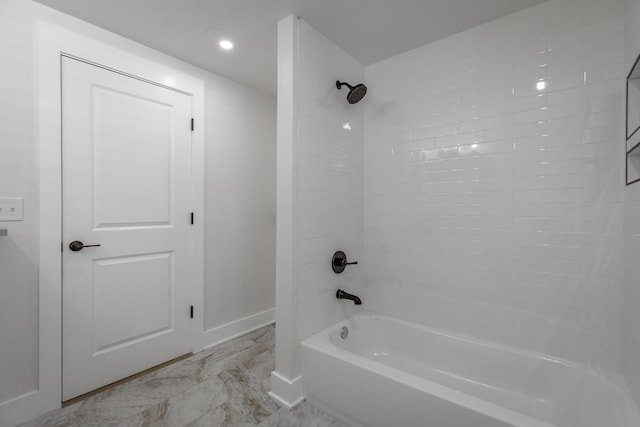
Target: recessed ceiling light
{"x": 226, "y": 44}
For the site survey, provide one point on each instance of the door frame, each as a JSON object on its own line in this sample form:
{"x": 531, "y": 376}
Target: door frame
{"x": 130, "y": 58}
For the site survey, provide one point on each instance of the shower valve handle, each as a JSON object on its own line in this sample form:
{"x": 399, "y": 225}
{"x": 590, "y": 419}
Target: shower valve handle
{"x": 339, "y": 262}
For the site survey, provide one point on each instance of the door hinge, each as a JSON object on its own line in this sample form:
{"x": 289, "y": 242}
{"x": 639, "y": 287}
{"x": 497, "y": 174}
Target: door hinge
{"x": 192, "y": 125}
{"x": 193, "y": 217}
{"x": 191, "y": 312}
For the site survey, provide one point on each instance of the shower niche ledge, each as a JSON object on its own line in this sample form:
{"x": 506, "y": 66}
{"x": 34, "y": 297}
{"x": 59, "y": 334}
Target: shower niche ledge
{"x": 633, "y": 164}
{"x": 633, "y": 124}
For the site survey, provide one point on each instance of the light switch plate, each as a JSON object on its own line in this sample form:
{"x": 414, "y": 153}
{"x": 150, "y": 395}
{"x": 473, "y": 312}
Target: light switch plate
{"x": 11, "y": 209}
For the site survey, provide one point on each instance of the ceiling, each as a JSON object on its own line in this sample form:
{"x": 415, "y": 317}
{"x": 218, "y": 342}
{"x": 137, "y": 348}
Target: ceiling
{"x": 369, "y": 30}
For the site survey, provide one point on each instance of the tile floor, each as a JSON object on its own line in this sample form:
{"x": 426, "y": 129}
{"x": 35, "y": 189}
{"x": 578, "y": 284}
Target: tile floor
{"x": 226, "y": 385}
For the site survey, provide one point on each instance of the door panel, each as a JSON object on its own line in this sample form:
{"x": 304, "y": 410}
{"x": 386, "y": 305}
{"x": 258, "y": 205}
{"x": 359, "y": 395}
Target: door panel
{"x": 119, "y": 276}
{"x": 127, "y": 187}
{"x": 141, "y": 150}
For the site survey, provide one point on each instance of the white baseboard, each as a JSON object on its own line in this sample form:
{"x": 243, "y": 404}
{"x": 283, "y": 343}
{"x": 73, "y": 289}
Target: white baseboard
{"x": 230, "y": 330}
{"x": 26, "y": 407}
{"x": 286, "y": 393}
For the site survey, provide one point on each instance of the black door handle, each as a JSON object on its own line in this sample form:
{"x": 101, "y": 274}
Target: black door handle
{"x": 77, "y": 245}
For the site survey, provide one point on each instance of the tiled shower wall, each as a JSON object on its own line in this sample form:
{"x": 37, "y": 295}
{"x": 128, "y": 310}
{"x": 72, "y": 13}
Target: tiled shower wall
{"x": 494, "y": 181}
{"x": 329, "y": 180}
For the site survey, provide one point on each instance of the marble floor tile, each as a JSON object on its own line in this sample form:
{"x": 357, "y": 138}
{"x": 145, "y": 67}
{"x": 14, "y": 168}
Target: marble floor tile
{"x": 303, "y": 415}
{"x": 224, "y": 386}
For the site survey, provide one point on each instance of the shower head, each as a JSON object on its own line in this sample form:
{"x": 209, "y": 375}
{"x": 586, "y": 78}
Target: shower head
{"x": 356, "y": 93}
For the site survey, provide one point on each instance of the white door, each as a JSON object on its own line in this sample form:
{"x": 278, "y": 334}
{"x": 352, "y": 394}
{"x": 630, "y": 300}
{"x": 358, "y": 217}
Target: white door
{"x": 126, "y": 187}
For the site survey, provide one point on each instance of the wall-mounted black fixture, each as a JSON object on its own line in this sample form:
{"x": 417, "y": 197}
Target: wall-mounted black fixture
{"x": 356, "y": 93}
{"x": 339, "y": 262}
{"x": 340, "y": 294}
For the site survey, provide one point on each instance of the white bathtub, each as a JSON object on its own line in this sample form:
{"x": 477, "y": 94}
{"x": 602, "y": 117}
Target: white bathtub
{"x": 392, "y": 373}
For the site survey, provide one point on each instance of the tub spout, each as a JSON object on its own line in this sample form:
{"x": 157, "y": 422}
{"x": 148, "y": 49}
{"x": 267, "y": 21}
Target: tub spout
{"x": 340, "y": 294}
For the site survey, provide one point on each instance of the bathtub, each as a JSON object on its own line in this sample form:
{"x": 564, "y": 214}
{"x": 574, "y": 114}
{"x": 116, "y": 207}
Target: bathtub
{"x": 392, "y": 373}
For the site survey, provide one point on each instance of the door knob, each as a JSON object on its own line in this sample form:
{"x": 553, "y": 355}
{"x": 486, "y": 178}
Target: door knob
{"x": 77, "y": 245}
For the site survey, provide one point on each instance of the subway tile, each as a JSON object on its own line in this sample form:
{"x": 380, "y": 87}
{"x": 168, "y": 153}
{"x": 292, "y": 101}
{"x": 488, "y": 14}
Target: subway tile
{"x": 497, "y": 197}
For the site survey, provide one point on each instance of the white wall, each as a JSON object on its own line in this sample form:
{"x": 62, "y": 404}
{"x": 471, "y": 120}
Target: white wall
{"x": 493, "y": 208}
{"x": 240, "y": 188}
{"x": 240, "y": 203}
{"x": 18, "y": 177}
{"x": 631, "y": 336}
{"x": 320, "y": 178}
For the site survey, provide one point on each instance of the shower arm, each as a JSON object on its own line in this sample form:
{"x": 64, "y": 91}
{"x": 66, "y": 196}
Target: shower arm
{"x": 339, "y": 84}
